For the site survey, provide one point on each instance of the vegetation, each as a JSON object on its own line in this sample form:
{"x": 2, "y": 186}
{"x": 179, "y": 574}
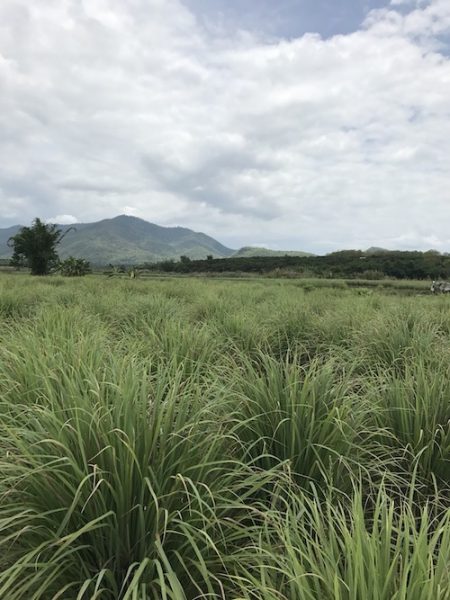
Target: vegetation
{"x": 35, "y": 247}
{"x": 349, "y": 263}
{"x": 185, "y": 439}
{"x": 74, "y": 267}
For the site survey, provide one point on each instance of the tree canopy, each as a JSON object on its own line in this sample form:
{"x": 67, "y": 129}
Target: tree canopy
{"x": 35, "y": 246}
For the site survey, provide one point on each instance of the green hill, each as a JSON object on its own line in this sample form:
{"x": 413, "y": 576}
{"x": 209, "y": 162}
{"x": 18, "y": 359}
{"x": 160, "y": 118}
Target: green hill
{"x": 251, "y": 251}
{"x": 129, "y": 240}
{"x": 375, "y": 250}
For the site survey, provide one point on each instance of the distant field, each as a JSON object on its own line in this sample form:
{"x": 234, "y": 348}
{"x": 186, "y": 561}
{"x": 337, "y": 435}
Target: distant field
{"x": 185, "y": 438}
{"x": 390, "y": 285}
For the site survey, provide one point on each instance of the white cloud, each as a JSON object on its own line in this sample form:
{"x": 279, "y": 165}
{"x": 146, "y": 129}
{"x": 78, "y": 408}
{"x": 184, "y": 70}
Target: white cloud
{"x": 129, "y": 210}
{"x": 130, "y": 106}
{"x": 63, "y": 220}
{"x": 407, "y": 2}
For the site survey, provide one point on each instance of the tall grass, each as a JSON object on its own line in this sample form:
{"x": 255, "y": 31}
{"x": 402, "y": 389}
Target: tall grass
{"x": 120, "y": 485}
{"x": 416, "y": 410}
{"x": 184, "y": 439}
{"x": 335, "y": 551}
{"x": 304, "y": 417}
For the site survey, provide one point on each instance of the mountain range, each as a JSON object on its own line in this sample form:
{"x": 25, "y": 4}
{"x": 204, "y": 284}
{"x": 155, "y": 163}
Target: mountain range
{"x": 128, "y": 240}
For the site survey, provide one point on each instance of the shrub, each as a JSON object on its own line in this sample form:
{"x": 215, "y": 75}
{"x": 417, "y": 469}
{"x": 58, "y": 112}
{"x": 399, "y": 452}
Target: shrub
{"x": 74, "y": 267}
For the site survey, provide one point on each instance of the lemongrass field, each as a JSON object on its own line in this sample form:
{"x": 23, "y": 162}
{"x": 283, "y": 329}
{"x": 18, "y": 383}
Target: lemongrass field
{"x": 186, "y": 439}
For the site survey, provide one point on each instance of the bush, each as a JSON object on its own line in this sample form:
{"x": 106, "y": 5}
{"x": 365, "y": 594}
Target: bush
{"x": 74, "y": 267}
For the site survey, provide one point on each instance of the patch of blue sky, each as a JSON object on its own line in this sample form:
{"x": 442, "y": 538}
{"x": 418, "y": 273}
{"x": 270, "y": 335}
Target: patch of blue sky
{"x": 287, "y": 18}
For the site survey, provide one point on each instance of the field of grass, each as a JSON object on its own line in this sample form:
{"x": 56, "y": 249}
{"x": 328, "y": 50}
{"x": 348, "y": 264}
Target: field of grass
{"x": 258, "y": 440}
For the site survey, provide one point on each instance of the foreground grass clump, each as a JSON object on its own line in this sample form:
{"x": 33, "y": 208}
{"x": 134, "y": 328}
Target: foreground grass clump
{"x": 337, "y": 550}
{"x": 304, "y": 417}
{"x": 122, "y": 489}
{"x": 188, "y": 439}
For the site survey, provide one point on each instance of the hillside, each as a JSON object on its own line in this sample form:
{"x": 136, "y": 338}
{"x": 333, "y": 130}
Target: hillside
{"x": 251, "y": 251}
{"x": 129, "y": 240}
{"x": 375, "y": 250}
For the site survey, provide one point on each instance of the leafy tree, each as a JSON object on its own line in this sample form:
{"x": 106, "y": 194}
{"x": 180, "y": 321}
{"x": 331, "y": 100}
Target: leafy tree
{"x": 74, "y": 267}
{"x": 35, "y": 246}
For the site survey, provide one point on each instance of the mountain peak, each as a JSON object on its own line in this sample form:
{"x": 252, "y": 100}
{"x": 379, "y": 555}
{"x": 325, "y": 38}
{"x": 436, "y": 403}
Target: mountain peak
{"x": 125, "y": 217}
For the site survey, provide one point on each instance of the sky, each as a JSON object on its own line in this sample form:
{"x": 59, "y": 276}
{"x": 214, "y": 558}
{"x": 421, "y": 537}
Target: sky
{"x": 312, "y": 125}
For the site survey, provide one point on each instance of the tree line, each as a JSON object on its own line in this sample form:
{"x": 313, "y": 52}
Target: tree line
{"x": 347, "y": 264}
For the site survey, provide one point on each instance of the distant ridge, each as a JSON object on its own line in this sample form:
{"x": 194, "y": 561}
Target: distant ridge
{"x": 251, "y": 251}
{"x": 374, "y": 250}
{"x": 129, "y": 240}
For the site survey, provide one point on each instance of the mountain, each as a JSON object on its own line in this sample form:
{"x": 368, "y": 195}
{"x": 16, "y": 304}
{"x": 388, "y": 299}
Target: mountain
{"x": 128, "y": 240}
{"x": 375, "y": 250}
{"x": 5, "y": 234}
{"x": 251, "y": 251}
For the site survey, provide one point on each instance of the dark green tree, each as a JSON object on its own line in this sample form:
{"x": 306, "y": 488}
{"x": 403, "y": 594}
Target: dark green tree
{"x": 35, "y": 246}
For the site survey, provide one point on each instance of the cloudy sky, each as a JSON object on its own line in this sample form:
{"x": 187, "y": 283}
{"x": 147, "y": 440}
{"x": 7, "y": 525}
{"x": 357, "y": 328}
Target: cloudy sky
{"x": 294, "y": 124}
